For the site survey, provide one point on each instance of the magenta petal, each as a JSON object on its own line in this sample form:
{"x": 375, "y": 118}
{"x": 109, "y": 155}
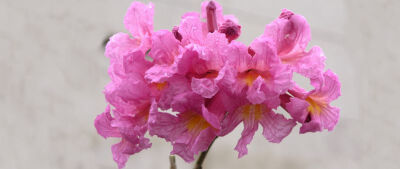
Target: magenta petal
{"x": 276, "y": 126}
{"x": 103, "y": 125}
{"x": 250, "y": 127}
{"x": 211, "y": 118}
{"x": 139, "y": 19}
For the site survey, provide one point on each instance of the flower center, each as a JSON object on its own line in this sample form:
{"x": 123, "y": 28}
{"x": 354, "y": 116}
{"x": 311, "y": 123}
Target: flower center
{"x": 160, "y": 86}
{"x": 315, "y": 106}
{"x": 251, "y": 75}
{"x": 196, "y": 123}
{"x": 252, "y": 111}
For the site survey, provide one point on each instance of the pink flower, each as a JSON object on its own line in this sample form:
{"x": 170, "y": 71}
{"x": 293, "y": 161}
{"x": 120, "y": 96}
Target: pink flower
{"x": 139, "y": 22}
{"x": 261, "y": 76}
{"x": 291, "y": 34}
{"x": 192, "y": 130}
{"x": 312, "y": 109}
{"x": 275, "y": 126}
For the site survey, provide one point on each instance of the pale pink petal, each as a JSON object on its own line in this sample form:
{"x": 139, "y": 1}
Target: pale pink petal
{"x": 255, "y": 93}
{"x": 205, "y": 87}
{"x": 121, "y": 152}
{"x": 239, "y": 56}
{"x": 297, "y": 108}
{"x": 211, "y": 118}
{"x": 176, "y": 85}
{"x": 103, "y": 125}
{"x": 311, "y": 64}
{"x": 328, "y": 87}
{"x": 276, "y": 126}
{"x": 121, "y": 44}
{"x": 231, "y": 120}
{"x": 191, "y": 30}
{"x": 135, "y": 63}
{"x": 159, "y": 73}
{"x": 312, "y": 126}
{"x": 290, "y": 32}
{"x": 329, "y": 117}
{"x": 265, "y": 54}
{"x": 164, "y": 125}
{"x": 164, "y": 48}
{"x": 250, "y": 127}
{"x": 139, "y": 19}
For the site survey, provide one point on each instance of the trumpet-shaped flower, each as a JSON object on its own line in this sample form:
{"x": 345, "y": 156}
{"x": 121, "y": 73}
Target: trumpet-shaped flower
{"x": 192, "y": 130}
{"x": 262, "y": 75}
{"x": 275, "y": 126}
{"x": 312, "y": 109}
{"x": 291, "y": 34}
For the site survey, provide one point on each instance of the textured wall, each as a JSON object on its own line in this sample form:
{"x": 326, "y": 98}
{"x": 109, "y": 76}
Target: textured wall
{"x": 53, "y": 72}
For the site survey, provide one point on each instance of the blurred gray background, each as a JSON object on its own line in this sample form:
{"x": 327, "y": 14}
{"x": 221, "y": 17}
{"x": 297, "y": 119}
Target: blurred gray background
{"x": 53, "y": 71}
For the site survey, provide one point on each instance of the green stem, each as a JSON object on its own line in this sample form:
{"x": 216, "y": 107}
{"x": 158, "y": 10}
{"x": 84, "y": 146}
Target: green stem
{"x": 200, "y": 160}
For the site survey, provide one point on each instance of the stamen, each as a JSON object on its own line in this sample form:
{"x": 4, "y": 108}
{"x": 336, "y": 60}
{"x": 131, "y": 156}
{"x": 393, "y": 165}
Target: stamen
{"x": 230, "y": 29}
{"x": 176, "y": 33}
{"x": 211, "y": 17}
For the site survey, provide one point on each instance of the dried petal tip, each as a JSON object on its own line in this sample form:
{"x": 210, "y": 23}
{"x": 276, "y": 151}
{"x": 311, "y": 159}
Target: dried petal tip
{"x": 211, "y": 17}
{"x": 286, "y": 14}
{"x": 251, "y": 51}
{"x": 176, "y": 33}
{"x": 230, "y": 29}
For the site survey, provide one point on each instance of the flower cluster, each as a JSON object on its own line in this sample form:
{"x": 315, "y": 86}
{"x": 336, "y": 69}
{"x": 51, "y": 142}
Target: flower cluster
{"x": 212, "y": 82}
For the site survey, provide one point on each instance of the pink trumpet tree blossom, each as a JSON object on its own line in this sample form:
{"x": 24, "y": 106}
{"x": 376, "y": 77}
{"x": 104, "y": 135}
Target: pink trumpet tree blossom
{"x": 212, "y": 82}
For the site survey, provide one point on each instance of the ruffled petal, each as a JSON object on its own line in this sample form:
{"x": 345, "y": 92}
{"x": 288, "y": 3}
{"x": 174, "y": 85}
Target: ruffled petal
{"x": 191, "y": 29}
{"x": 121, "y": 44}
{"x": 311, "y": 64}
{"x": 329, "y": 117}
{"x": 297, "y": 108}
{"x": 164, "y": 125}
{"x": 328, "y": 87}
{"x": 139, "y": 19}
{"x": 103, "y": 125}
{"x": 276, "y": 126}
{"x": 164, "y": 47}
{"x": 255, "y": 93}
{"x": 122, "y": 150}
{"x": 250, "y": 127}
{"x": 205, "y": 87}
